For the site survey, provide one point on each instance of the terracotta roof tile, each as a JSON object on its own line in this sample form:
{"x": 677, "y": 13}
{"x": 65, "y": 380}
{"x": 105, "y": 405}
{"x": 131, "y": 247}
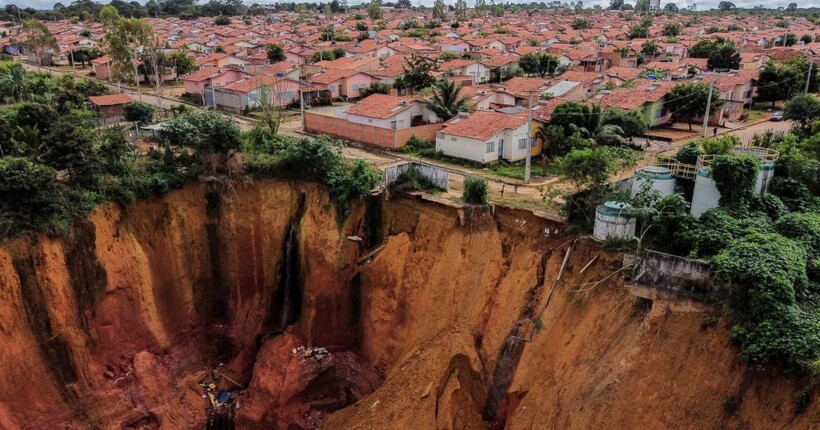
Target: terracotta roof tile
{"x": 482, "y": 125}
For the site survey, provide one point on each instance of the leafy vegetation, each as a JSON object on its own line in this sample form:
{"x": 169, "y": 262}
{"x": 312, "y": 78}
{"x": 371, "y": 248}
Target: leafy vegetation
{"x": 476, "y": 190}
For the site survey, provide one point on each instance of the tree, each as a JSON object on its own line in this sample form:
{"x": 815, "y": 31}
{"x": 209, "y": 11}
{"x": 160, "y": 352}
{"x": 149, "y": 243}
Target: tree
{"x": 671, "y": 29}
{"x": 791, "y": 7}
{"x": 13, "y": 80}
{"x": 276, "y": 53}
{"x": 639, "y": 31}
{"x": 704, "y": 47}
{"x": 776, "y": 82}
{"x": 670, "y": 7}
{"x": 650, "y": 48}
{"x": 28, "y": 192}
{"x": 222, "y": 20}
{"x": 557, "y": 143}
{"x": 580, "y": 24}
{"x": 375, "y": 88}
{"x": 538, "y": 63}
{"x": 688, "y": 100}
{"x": 374, "y": 11}
{"x": 616, "y": 4}
{"x": 807, "y": 38}
{"x": 139, "y": 112}
{"x": 642, "y": 6}
{"x": 182, "y": 63}
{"x": 417, "y": 73}
{"x": 803, "y": 109}
{"x": 69, "y": 145}
{"x": 39, "y": 41}
{"x": 205, "y": 132}
{"x": 725, "y": 5}
{"x": 630, "y": 122}
{"x": 587, "y": 121}
{"x": 592, "y": 167}
{"x": 725, "y": 56}
{"x": 446, "y": 101}
{"x": 439, "y": 10}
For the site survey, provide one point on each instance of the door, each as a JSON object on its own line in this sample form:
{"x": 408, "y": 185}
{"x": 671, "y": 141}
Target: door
{"x": 500, "y": 148}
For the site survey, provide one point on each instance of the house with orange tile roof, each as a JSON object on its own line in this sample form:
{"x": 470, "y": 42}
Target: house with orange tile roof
{"x": 386, "y": 111}
{"x": 110, "y": 107}
{"x": 252, "y": 92}
{"x": 343, "y": 83}
{"x": 486, "y": 137}
{"x": 647, "y": 97}
{"x": 196, "y": 81}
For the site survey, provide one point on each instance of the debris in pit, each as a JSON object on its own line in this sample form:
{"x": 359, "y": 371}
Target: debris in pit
{"x": 314, "y": 353}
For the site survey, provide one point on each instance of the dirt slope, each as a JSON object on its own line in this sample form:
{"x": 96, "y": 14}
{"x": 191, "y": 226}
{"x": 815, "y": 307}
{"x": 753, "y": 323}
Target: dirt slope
{"x": 457, "y": 322}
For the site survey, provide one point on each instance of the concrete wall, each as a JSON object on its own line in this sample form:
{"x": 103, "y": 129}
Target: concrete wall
{"x": 681, "y": 275}
{"x": 436, "y": 175}
{"x": 361, "y": 133}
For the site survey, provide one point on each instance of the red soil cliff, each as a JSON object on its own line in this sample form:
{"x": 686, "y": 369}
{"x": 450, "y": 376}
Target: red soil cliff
{"x": 456, "y": 323}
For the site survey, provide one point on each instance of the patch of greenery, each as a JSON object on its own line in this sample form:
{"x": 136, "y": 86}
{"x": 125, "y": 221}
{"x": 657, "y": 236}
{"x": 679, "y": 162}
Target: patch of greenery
{"x": 476, "y": 190}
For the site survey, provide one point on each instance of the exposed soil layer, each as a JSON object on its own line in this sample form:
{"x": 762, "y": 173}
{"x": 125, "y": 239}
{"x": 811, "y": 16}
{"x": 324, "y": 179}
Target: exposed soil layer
{"x": 456, "y": 322}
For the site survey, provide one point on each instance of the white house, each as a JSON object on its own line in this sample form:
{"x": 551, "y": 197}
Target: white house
{"x": 384, "y": 111}
{"x": 485, "y": 137}
{"x": 479, "y": 72}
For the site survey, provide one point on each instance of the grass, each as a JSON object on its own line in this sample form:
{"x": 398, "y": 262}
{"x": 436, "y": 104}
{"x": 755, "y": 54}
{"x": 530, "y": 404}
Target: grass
{"x": 755, "y": 115}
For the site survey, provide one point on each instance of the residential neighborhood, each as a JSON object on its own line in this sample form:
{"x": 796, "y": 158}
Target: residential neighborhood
{"x": 379, "y": 68}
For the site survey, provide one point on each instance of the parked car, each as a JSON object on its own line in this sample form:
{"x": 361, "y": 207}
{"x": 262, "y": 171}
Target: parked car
{"x": 777, "y": 116}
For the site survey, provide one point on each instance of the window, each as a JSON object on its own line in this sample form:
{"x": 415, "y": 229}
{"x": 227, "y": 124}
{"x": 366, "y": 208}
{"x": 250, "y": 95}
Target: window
{"x": 288, "y": 95}
{"x": 439, "y": 135}
{"x": 453, "y": 139}
{"x": 747, "y": 94}
{"x": 533, "y": 142}
{"x": 331, "y": 88}
{"x": 522, "y": 143}
{"x": 658, "y": 113}
{"x": 490, "y": 147}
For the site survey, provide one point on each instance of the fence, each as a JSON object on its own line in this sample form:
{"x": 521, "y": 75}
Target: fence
{"x": 436, "y": 175}
{"x": 681, "y": 275}
{"x": 382, "y": 137}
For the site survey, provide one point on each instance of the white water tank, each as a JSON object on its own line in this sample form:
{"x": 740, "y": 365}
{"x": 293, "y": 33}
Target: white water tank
{"x": 764, "y": 176}
{"x": 706, "y": 195}
{"x": 611, "y": 222}
{"x": 660, "y": 178}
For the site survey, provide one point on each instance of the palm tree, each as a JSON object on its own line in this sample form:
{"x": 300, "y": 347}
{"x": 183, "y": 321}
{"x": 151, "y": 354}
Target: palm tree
{"x": 445, "y": 101}
{"x": 590, "y": 125}
{"x": 13, "y": 82}
{"x": 27, "y": 140}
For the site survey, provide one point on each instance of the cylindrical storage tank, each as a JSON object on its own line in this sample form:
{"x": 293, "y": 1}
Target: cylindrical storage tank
{"x": 706, "y": 195}
{"x": 611, "y": 222}
{"x": 764, "y": 176}
{"x": 660, "y": 177}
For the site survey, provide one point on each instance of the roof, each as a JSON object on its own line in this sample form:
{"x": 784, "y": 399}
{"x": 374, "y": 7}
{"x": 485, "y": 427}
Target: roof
{"x": 380, "y": 106}
{"x": 482, "y": 125}
{"x": 110, "y": 100}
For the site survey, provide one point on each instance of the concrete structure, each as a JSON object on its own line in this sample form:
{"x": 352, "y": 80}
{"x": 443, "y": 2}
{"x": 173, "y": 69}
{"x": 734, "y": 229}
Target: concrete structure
{"x": 611, "y": 222}
{"x": 659, "y": 178}
{"x": 706, "y": 195}
{"x": 437, "y": 176}
{"x": 684, "y": 276}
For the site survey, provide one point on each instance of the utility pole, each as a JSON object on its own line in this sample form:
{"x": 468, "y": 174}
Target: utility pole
{"x": 808, "y": 77}
{"x": 529, "y": 142}
{"x": 708, "y": 105}
{"x": 301, "y": 102}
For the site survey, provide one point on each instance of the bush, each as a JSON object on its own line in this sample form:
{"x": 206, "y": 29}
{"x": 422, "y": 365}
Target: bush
{"x": 29, "y": 193}
{"x": 139, "y": 112}
{"x": 476, "y": 190}
{"x": 689, "y": 153}
{"x": 735, "y": 178}
{"x": 411, "y": 180}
